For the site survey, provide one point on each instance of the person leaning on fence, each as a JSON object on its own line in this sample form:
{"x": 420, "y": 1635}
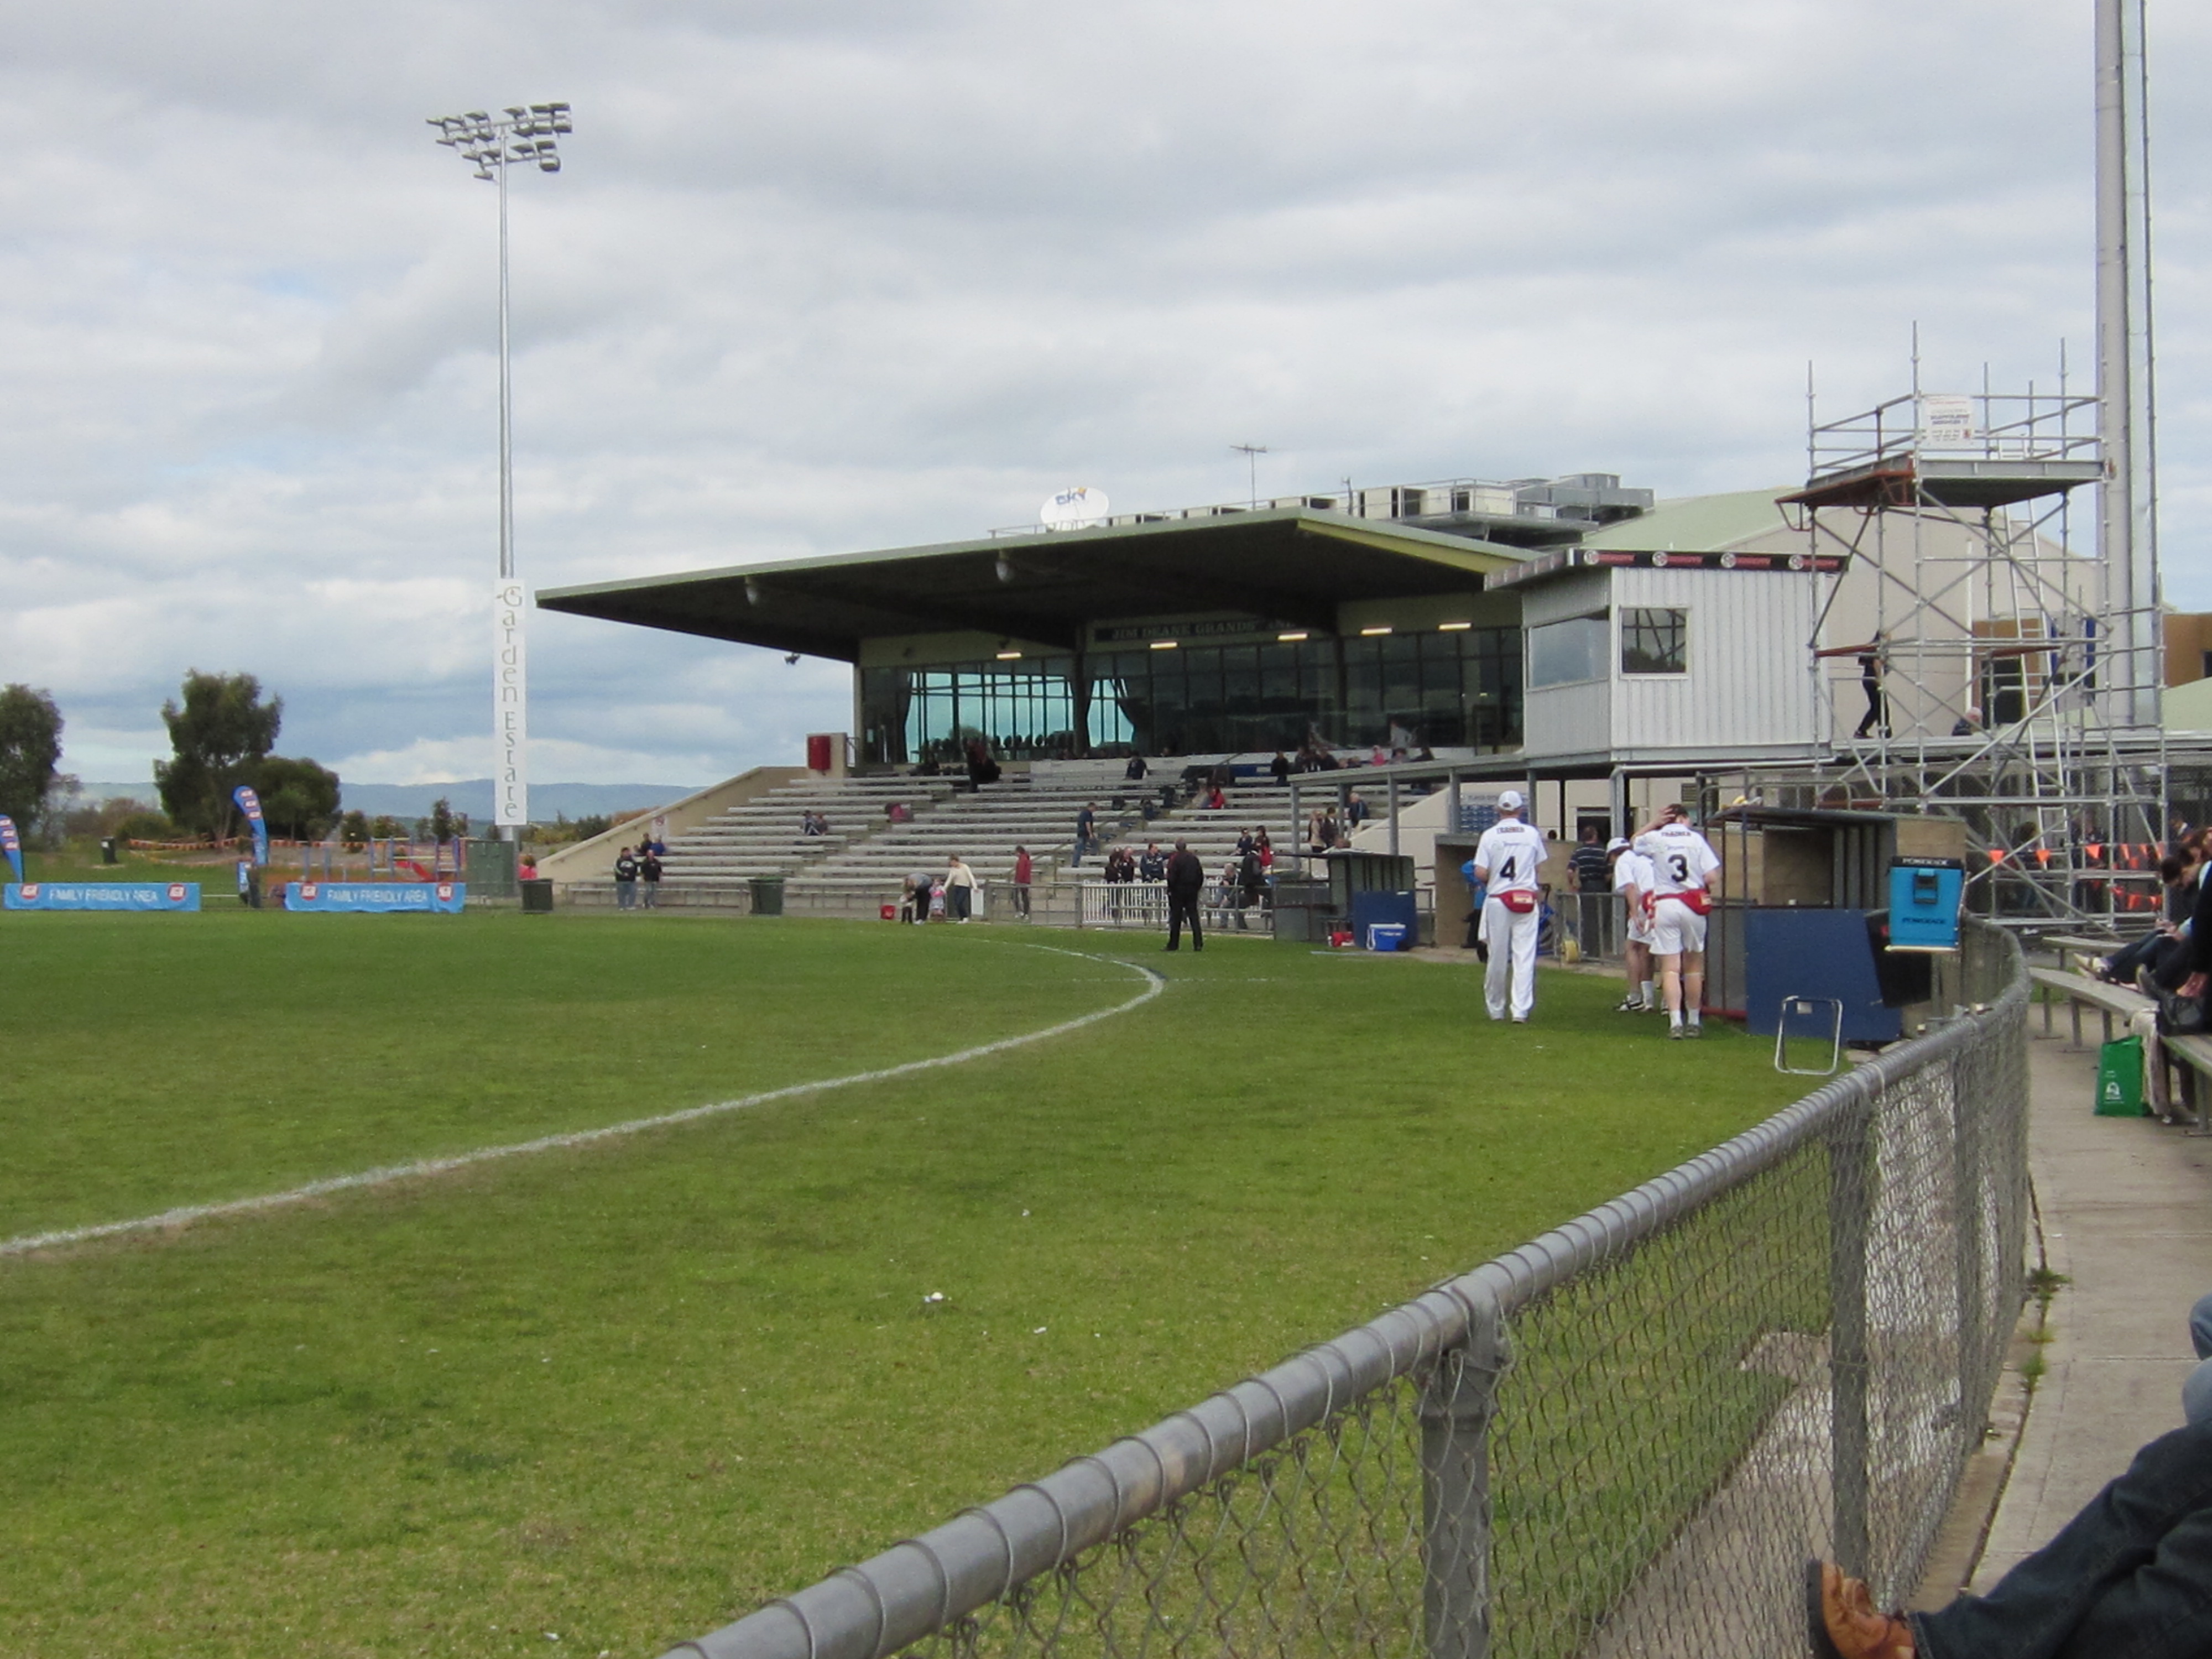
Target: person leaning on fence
{"x": 1186, "y": 880}
{"x": 1251, "y": 884}
{"x": 625, "y": 879}
{"x": 1682, "y": 864}
{"x": 1589, "y": 865}
{"x": 2128, "y": 1577}
{"x": 1506, "y": 861}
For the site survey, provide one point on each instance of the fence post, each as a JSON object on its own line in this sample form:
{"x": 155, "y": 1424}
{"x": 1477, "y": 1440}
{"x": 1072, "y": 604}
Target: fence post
{"x": 1969, "y": 1156}
{"x": 1851, "y": 1177}
{"x": 1458, "y": 1400}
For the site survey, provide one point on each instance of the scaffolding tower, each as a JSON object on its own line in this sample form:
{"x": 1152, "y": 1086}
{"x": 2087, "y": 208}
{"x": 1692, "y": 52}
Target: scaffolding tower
{"x": 1995, "y": 665}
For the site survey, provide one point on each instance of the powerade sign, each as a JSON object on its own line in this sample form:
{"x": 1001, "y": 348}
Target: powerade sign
{"x": 103, "y": 896}
{"x": 392, "y": 898}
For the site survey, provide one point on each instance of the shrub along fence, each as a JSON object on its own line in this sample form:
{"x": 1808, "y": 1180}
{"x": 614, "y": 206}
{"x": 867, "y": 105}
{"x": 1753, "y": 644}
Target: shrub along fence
{"x": 1621, "y": 1439}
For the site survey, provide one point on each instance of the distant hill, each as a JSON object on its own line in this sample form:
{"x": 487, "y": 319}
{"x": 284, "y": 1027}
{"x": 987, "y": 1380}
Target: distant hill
{"x": 471, "y": 795}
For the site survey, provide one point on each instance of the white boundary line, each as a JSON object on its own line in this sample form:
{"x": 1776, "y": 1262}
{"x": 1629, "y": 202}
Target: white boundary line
{"x": 185, "y": 1215}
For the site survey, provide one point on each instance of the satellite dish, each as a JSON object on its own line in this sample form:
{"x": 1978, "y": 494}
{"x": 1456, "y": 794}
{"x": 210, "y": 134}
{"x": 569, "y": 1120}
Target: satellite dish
{"x": 1074, "y": 509}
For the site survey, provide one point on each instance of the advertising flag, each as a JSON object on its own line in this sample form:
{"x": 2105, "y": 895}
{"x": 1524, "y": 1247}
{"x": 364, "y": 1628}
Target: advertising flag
{"x": 510, "y": 767}
{"x": 250, "y": 804}
{"x": 12, "y": 845}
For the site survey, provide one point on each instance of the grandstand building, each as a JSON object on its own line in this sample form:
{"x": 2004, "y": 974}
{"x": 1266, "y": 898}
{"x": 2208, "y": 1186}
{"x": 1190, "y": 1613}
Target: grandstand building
{"x": 1358, "y": 621}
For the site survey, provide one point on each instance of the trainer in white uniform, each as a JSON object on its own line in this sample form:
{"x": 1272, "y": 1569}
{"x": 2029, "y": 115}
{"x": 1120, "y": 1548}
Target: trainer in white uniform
{"x": 1682, "y": 863}
{"x": 1631, "y": 879}
{"x": 1508, "y": 857}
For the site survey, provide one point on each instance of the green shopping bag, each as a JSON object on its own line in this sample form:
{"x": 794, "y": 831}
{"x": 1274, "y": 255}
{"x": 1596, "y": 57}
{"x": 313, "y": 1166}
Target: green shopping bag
{"x": 2119, "y": 1079}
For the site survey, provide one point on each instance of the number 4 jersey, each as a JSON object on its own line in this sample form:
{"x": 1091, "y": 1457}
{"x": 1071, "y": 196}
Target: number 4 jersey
{"x": 1513, "y": 851}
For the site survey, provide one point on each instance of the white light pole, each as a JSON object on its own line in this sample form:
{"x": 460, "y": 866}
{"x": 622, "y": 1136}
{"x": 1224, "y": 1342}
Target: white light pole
{"x": 523, "y": 133}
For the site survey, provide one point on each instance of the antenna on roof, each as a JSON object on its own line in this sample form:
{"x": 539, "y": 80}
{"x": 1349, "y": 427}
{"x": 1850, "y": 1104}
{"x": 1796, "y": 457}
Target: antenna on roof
{"x": 1252, "y": 453}
{"x": 1074, "y": 509}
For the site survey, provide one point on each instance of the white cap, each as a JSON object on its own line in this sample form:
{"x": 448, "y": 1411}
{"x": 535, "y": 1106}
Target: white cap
{"x": 1618, "y": 844}
{"x": 1510, "y": 801}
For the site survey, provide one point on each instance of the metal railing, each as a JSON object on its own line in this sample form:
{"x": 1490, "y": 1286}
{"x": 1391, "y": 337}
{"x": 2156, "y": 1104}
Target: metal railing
{"x": 1620, "y": 1439}
{"x": 1144, "y": 904}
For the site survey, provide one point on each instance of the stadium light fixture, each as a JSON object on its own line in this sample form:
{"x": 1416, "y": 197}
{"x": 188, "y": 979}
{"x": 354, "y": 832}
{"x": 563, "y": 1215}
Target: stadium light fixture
{"x": 1372, "y": 633}
{"x": 1165, "y": 645}
{"x": 1010, "y": 656}
{"x": 525, "y": 135}
{"x": 1291, "y": 639}
{"x": 1454, "y": 628}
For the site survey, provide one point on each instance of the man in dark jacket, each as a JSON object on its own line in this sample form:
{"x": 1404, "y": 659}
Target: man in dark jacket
{"x": 1186, "y": 880}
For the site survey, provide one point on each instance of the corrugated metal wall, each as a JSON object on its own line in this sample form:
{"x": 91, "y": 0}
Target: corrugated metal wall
{"x": 1749, "y": 679}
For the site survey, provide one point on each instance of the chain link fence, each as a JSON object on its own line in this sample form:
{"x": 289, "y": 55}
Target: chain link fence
{"x": 1621, "y": 1439}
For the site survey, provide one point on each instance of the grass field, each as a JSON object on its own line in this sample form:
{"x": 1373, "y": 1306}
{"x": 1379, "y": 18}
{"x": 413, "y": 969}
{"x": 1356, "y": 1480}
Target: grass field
{"x": 625, "y": 1392}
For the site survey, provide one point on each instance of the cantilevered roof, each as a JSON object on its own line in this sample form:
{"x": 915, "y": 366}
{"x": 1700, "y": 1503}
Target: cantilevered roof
{"x": 1292, "y": 564}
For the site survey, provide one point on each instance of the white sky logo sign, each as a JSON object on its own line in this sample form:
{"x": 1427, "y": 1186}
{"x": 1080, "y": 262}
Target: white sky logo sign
{"x": 185, "y": 1215}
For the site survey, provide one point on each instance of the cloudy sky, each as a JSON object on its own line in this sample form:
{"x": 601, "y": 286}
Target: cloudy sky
{"x": 841, "y": 274}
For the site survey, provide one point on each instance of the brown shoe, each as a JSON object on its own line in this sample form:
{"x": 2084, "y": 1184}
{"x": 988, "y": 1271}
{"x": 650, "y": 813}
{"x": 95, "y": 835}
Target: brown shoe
{"x": 1841, "y": 1620}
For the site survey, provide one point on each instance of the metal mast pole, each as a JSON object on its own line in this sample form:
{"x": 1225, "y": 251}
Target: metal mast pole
{"x": 2126, "y": 554}
{"x": 528, "y": 133}
{"x": 506, "y": 405}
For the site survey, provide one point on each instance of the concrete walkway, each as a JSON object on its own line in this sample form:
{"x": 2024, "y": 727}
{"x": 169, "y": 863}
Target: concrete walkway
{"x": 2126, "y": 1208}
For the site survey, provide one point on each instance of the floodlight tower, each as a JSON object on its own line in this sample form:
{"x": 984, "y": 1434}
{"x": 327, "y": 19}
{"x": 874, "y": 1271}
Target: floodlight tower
{"x": 525, "y": 134}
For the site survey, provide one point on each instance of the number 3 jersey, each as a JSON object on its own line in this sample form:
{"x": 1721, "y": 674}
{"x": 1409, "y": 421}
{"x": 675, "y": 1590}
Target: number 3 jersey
{"x": 1681, "y": 858}
{"x": 1513, "y": 851}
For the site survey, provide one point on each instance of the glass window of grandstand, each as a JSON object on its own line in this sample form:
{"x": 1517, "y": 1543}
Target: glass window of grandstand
{"x": 1022, "y": 710}
{"x": 1568, "y": 652}
{"x": 1654, "y": 641}
{"x": 1416, "y": 690}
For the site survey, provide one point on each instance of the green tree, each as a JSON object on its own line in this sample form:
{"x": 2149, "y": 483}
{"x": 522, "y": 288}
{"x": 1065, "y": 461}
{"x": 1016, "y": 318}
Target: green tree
{"x": 220, "y": 734}
{"x": 299, "y": 799}
{"x": 441, "y": 820}
{"x": 30, "y": 751}
{"x": 353, "y": 830}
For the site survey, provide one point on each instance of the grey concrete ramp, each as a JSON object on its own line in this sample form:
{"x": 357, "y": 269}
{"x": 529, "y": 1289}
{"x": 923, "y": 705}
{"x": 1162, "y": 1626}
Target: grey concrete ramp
{"x": 2125, "y": 1205}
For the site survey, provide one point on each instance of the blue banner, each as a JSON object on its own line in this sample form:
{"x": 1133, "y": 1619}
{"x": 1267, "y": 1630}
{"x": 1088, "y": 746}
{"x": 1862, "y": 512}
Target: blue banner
{"x": 12, "y": 845}
{"x": 250, "y": 804}
{"x": 445, "y": 897}
{"x": 103, "y": 896}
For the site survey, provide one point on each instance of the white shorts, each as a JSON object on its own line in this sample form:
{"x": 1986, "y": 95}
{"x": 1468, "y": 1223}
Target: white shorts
{"x": 1639, "y": 928}
{"x": 1676, "y": 929}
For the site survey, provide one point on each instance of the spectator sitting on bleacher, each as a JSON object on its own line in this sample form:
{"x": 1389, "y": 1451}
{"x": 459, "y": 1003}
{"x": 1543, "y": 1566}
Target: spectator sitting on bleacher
{"x": 2167, "y": 944}
{"x": 1215, "y": 801}
{"x": 1355, "y": 810}
{"x": 1136, "y": 769}
{"x": 1279, "y": 769}
{"x": 1120, "y": 865}
{"x": 1153, "y": 866}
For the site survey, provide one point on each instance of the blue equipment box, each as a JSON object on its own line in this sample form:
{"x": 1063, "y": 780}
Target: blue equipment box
{"x": 1383, "y": 909}
{"x": 1925, "y": 896}
{"x": 1790, "y": 953}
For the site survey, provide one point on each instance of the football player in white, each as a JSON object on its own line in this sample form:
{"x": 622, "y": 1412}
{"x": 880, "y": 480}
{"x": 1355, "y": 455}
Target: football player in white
{"x": 1507, "y": 858}
{"x": 1682, "y": 864}
{"x": 1631, "y": 879}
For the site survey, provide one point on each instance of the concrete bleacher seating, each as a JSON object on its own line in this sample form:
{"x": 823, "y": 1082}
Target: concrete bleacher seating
{"x": 863, "y": 861}
{"x": 763, "y": 836}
